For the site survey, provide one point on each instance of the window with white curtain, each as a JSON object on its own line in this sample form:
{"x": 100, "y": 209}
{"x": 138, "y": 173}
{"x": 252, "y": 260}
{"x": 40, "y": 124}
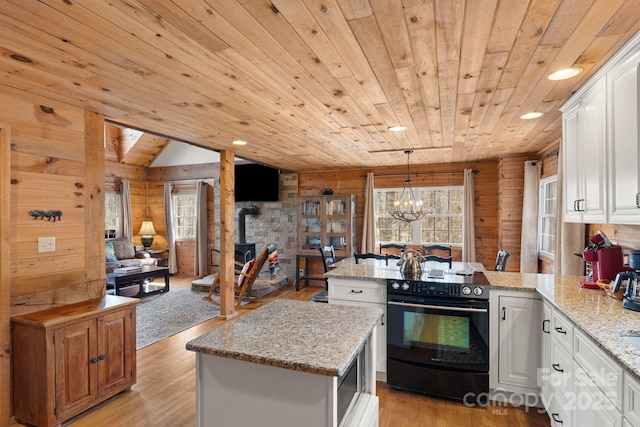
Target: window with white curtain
{"x": 547, "y": 216}
{"x": 112, "y": 215}
{"x": 184, "y": 216}
{"x": 443, "y": 224}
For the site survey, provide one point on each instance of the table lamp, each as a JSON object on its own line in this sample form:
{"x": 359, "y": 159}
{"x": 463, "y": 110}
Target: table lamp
{"x": 146, "y": 234}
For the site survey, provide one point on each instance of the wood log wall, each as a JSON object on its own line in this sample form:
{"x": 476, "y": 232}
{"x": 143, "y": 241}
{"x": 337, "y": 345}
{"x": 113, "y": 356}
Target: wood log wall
{"x": 486, "y": 194}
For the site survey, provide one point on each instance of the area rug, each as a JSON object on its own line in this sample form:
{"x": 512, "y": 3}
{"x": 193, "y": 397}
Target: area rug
{"x": 162, "y": 315}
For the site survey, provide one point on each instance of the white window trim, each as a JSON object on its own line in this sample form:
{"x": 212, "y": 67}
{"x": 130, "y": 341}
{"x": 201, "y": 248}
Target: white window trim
{"x": 175, "y": 217}
{"x": 543, "y": 183}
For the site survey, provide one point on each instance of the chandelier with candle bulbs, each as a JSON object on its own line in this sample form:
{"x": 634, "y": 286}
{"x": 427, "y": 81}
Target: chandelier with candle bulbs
{"x": 407, "y": 208}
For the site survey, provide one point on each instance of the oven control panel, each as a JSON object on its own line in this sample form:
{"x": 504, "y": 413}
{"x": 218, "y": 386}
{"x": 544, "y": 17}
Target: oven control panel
{"x": 451, "y": 290}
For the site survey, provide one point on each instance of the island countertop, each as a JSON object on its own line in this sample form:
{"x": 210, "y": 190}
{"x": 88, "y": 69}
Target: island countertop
{"x": 298, "y": 335}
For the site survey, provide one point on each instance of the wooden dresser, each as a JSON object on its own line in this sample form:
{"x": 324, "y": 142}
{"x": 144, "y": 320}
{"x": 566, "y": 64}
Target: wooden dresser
{"x": 69, "y": 358}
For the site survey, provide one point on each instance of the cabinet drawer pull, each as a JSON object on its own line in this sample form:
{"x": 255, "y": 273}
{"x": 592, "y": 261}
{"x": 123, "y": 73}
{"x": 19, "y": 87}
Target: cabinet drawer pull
{"x": 94, "y": 360}
{"x": 545, "y": 322}
{"x": 560, "y": 330}
{"x": 637, "y": 200}
{"x": 504, "y": 313}
{"x": 353, "y": 291}
{"x": 102, "y": 356}
{"x": 575, "y": 206}
{"x": 556, "y": 418}
{"x": 557, "y": 367}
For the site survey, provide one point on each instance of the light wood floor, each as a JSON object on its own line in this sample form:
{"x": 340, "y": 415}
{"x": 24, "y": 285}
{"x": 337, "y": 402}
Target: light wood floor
{"x": 165, "y": 391}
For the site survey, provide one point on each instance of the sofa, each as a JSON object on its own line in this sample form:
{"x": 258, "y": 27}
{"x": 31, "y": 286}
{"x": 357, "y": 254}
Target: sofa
{"x": 120, "y": 252}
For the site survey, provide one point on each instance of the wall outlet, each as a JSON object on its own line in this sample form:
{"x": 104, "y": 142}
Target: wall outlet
{"x": 301, "y": 272}
{"x": 46, "y": 244}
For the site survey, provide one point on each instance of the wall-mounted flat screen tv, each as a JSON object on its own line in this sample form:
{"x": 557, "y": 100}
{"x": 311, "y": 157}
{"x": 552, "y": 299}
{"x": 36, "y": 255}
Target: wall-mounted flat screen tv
{"x": 257, "y": 183}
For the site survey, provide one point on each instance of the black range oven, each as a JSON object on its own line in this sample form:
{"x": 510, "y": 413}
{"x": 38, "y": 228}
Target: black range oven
{"x": 438, "y": 336}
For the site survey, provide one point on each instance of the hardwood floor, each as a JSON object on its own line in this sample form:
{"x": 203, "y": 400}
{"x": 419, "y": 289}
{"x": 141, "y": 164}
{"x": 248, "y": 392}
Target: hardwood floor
{"x": 165, "y": 391}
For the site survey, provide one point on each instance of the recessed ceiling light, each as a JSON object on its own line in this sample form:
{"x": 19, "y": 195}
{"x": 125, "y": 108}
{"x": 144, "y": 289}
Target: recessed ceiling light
{"x": 531, "y": 115}
{"x": 567, "y": 73}
{"x": 398, "y": 128}
{"x": 239, "y": 142}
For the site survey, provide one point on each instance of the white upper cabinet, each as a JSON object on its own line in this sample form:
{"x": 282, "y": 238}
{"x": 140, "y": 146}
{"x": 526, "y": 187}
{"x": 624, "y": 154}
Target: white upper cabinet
{"x": 600, "y": 142}
{"x": 624, "y": 152}
{"x": 584, "y": 154}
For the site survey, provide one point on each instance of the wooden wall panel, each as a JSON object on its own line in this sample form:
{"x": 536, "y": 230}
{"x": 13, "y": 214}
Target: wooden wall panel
{"x": 48, "y": 164}
{"x": 486, "y": 195}
{"x": 5, "y": 273}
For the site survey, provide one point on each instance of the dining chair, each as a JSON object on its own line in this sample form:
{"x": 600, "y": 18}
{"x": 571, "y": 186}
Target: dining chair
{"x": 436, "y": 250}
{"x": 392, "y": 248}
{"x": 328, "y": 255}
{"x": 437, "y": 258}
{"x": 501, "y": 260}
{"x": 359, "y": 257}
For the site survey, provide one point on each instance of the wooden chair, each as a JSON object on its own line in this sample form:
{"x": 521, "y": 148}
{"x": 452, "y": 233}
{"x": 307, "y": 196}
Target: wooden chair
{"x": 501, "y": 260}
{"x": 437, "y": 258}
{"x": 396, "y": 249}
{"x": 438, "y": 249}
{"x": 241, "y": 287}
{"x": 358, "y": 257}
{"x": 328, "y": 257}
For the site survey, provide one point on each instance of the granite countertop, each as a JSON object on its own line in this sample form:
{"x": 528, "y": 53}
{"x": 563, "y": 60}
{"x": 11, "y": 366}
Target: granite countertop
{"x": 299, "y": 335}
{"x": 369, "y": 269}
{"x": 594, "y": 312}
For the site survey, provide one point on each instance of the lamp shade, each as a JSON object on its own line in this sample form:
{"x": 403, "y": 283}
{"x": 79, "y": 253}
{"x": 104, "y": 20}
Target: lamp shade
{"x": 147, "y": 229}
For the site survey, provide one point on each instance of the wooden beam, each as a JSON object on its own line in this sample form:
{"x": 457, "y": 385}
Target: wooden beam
{"x": 94, "y": 257}
{"x": 227, "y": 228}
{"x": 5, "y": 279}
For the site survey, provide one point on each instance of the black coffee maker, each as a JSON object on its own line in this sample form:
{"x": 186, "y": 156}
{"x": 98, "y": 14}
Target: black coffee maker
{"x": 632, "y": 294}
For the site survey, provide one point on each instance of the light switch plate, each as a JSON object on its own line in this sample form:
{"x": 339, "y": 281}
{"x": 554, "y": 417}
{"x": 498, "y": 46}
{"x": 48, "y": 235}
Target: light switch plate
{"x": 46, "y": 244}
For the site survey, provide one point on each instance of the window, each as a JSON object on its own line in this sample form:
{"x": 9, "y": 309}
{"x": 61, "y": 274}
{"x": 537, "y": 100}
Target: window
{"x": 112, "y": 216}
{"x": 442, "y": 225}
{"x": 547, "y": 219}
{"x": 184, "y": 216}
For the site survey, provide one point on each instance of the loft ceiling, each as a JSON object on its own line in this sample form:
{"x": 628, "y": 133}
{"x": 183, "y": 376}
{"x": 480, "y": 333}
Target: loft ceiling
{"x": 314, "y": 85}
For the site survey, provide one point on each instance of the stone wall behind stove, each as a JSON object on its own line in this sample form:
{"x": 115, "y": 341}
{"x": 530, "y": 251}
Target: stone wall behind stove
{"x": 275, "y": 224}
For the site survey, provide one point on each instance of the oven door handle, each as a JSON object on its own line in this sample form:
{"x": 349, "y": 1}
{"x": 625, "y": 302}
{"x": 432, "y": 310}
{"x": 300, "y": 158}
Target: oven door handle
{"x": 440, "y": 307}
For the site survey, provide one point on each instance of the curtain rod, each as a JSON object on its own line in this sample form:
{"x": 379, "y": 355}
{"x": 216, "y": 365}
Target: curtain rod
{"x": 474, "y": 171}
{"x": 546, "y": 156}
{"x": 184, "y": 184}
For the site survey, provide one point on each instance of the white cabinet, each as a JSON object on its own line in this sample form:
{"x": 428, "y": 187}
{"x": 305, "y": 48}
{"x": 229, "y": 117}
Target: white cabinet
{"x": 631, "y": 403}
{"x": 585, "y": 154}
{"x": 365, "y": 293}
{"x": 582, "y": 385}
{"x": 600, "y": 142}
{"x": 515, "y": 354}
{"x": 624, "y": 149}
{"x": 545, "y": 361}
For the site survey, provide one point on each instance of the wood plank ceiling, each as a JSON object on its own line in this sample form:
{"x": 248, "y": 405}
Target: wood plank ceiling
{"x": 315, "y": 84}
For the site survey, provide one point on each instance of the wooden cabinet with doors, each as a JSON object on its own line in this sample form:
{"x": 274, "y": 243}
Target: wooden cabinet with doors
{"x": 72, "y": 357}
{"x": 327, "y": 220}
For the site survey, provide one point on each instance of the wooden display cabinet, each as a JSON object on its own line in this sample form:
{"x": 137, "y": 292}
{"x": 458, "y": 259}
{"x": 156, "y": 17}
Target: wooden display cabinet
{"x": 327, "y": 220}
{"x": 69, "y": 358}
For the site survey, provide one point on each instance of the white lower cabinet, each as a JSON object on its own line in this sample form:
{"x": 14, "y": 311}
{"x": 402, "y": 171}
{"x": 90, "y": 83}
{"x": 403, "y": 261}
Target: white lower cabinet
{"x": 581, "y": 385}
{"x": 593, "y": 408}
{"x": 631, "y": 401}
{"x": 545, "y": 360}
{"x": 365, "y": 293}
{"x": 515, "y": 343}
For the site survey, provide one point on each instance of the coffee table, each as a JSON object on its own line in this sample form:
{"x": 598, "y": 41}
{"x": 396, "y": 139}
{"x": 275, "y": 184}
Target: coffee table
{"x": 126, "y": 284}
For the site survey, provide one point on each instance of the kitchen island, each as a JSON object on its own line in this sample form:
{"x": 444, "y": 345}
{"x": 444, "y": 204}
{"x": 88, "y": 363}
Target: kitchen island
{"x": 289, "y": 363}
